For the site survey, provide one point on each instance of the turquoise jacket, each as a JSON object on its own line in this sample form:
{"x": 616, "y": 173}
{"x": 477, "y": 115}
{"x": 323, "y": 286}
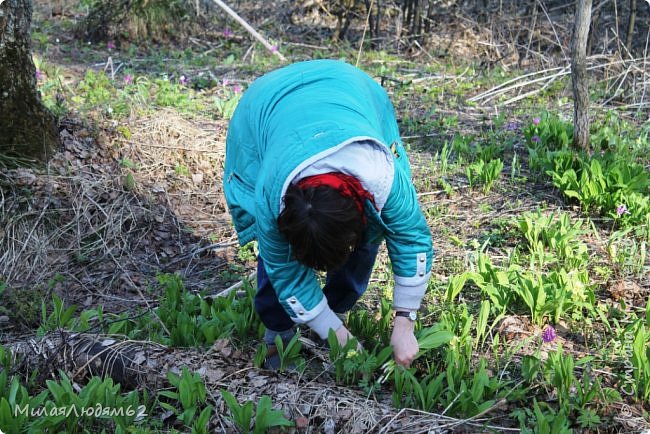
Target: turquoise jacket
{"x": 289, "y": 118}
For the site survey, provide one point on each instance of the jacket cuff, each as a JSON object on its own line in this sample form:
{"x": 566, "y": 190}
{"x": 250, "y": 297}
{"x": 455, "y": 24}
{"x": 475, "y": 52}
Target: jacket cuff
{"x": 408, "y": 294}
{"x": 324, "y": 321}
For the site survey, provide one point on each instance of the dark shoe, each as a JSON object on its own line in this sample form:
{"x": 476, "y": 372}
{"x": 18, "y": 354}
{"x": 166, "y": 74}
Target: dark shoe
{"x": 272, "y": 361}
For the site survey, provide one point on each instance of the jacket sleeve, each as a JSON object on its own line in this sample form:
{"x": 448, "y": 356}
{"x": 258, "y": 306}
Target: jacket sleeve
{"x": 296, "y": 286}
{"x": 408, "y": 238}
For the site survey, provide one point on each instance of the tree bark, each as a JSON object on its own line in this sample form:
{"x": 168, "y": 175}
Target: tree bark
{"x": 27, "y": 128}
{"x": 630, "y": 26}
{"x": 579, "y": 74}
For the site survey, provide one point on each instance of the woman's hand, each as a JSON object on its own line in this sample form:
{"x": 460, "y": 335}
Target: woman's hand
{"x": 343, "y": 335}
{"x": 405, "y": 345}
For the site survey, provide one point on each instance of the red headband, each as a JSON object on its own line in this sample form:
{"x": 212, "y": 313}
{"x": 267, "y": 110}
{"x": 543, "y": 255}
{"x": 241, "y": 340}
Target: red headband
{"x": 346, "y": 185}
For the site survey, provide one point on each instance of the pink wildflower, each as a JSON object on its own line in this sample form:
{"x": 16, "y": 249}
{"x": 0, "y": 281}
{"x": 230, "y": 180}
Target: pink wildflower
{"x": 227, "y": 33}
{"x": 236, "y": 88}
{"x": 128, "y": 78}
{"x": 183, "y": 80}
{"x": 39, "y": 74}
{"x": 536, "y": 121}
{"x": 110, "y": 45}
{"x": 621, "y": 209}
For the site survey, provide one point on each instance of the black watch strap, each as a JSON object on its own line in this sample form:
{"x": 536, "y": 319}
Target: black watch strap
{"x": 412, "y": 315}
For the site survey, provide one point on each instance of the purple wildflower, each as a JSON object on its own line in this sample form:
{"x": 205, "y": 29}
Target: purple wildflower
{"x": 512, "y": 126}
{"x": 183, "y": 80}
{"x": 128, "y": 78}
{"x": 535, "y": 139}
{"x": 236, "y": 88}
{"x": 536, "y": 121}
{"x": 548, "y": 335}
{"x": 110, "y": 45}
{"x": 227, "y": 33}
{"x": 621, "y": 209}
{"x": 39, "y": 74}
{"x": 274, "y": 49}
{"x": 226, "y": 82}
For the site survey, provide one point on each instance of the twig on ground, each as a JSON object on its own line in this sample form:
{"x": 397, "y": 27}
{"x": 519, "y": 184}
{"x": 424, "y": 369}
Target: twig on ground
{"x": 387, "y": 426}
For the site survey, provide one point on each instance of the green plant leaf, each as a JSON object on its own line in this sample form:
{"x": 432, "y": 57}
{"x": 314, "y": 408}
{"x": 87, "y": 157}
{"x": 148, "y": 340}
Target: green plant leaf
{"x": 266, "y": 417}
{"x": 433, "y": 337}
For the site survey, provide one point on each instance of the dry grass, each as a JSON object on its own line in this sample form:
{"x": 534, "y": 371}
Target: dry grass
{"x": 112, "y": 228}
{"x": 181, "y": 160}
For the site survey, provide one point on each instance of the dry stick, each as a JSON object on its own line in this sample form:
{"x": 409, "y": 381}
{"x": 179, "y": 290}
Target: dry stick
{"x": 624, "y": 75}
{"x": 250, "y": 29}
{"x": 563, "y": 71}
{"x": 616, "y": 22}
{"x": 623, "y": 47}
{"x": 180, "y": 148}
{"x": 387, "y": 426}
{"x": 557, "y": 38}
{"x": 365, "y": 28}
{"x": 424, "y": 51}
{"x": 532, "y": 31}
{"x": 533, "y": 92}
{"x": 630, "y": 26}
{"x": 498, "y": 90}
{"x": 513, "y": 80}
{"x": 237, "y": 285}
{"x": 645, "y": 68}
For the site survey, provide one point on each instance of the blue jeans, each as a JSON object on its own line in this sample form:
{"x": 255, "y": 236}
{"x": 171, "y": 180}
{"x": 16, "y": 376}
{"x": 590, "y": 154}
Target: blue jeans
{"x": 343, "y": 287}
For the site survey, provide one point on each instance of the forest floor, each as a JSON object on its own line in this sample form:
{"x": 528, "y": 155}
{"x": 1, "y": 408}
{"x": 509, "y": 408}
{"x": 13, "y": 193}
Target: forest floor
{"x": 135, "y": 195}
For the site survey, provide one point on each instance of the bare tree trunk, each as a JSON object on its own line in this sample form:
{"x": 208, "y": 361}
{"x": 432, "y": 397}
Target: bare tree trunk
{"x": 630, "y": 26}
{"x": 26, "y": 127}
{"x": 579, "y": 74}
{"x": 595, "y": 21}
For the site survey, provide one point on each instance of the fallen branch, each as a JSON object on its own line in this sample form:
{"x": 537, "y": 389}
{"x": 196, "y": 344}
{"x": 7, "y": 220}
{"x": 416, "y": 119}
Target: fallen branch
{"x": 548, "y": 76}
{"x": 326, "y": 406}
{"x": 130, "y": 363}
{"x": 250, "y": 29}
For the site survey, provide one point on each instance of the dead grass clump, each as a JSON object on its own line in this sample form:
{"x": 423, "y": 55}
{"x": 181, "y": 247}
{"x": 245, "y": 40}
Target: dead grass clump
{"x": 85, "y": 217}
{"x": 181, "y": 161}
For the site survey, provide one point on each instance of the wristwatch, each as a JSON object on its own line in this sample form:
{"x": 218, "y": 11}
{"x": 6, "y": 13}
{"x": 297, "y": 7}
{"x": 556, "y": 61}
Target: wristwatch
{"x": 412, "y": 315}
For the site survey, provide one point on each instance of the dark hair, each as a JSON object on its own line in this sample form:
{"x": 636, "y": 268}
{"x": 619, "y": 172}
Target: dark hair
{"x": 322, "y": 226}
